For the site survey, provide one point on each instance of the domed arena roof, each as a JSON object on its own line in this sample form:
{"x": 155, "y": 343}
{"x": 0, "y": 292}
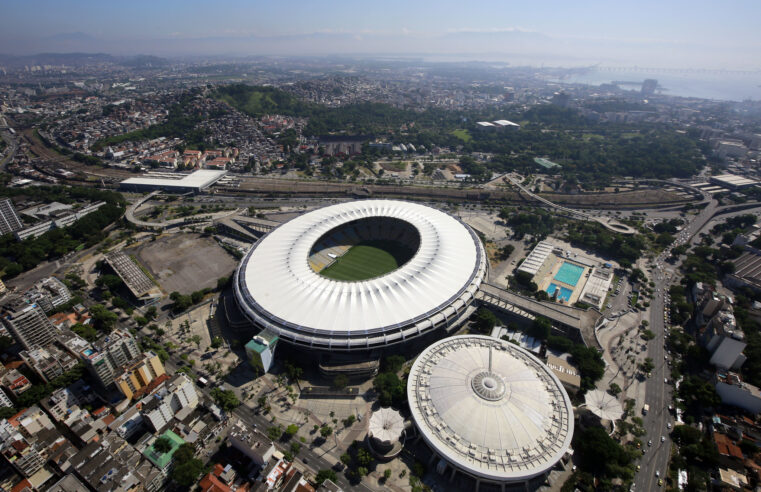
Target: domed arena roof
{"x": 490, "y": 408}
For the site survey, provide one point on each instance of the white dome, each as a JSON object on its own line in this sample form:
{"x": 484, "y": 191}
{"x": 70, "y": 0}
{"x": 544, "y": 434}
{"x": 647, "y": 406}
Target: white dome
{"x": 278, "y": 289}
{"x": 386, "y": 425}
{"x": 490, "y": 408}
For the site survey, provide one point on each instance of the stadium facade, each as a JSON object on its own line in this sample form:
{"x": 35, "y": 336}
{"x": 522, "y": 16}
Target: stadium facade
{"x": 281, "y": 284}
{"x": 490, "y": 410}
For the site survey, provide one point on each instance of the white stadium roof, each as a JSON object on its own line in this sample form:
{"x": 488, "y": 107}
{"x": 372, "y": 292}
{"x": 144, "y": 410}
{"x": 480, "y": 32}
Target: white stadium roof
{"x": 278, "y": 290}
{"x": 198, "y": 179}
{"x": 490, "y": 408}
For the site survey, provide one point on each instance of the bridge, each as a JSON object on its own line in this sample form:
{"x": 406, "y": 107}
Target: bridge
{"x": 573, "y": 213}
{"x": 578, "y": 323}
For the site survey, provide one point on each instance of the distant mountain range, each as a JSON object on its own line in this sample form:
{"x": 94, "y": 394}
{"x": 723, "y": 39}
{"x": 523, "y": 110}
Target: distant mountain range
{"x": 514, "y": 46}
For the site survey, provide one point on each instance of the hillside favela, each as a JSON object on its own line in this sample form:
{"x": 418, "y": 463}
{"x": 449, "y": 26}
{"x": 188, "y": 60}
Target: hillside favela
{"x": 380, "y": 246}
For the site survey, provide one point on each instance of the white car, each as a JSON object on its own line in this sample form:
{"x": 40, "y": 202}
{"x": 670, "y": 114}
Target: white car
{"x": 663, "y": 438}
{"x": 668, "y": 425}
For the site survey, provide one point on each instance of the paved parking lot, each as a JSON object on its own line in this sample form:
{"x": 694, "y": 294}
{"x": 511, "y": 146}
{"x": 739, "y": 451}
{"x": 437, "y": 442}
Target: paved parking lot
{"x": 186, "y": 262}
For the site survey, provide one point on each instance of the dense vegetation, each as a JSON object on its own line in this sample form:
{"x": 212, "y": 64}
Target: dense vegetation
{"x": 536, "y": 222}
{"x": 625, "y": 249}
{"x": 558, "y": 133}
{"x": 601, "y": 457}
{"x": 19, "y": 256}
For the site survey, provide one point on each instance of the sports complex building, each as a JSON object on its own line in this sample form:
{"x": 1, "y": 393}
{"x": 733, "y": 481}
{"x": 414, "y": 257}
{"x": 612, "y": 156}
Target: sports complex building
{"x": 362, "y": 276}
{"x": 566, "y": 276}
{"x": 490, "y": 411}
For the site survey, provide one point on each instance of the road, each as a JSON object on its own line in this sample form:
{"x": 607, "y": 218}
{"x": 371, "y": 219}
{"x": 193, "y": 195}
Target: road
{"x": 10, "y": 151}
{"x": 658, "y": 392}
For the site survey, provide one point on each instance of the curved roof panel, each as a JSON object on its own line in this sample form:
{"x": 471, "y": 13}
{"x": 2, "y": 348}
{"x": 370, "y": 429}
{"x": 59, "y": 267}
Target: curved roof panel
{"x": 276, "y": 284}
{"x": 490, "y": 408}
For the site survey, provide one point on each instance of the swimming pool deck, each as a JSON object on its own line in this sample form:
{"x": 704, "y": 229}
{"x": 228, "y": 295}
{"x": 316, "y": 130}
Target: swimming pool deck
{"x": 547, "y": 276}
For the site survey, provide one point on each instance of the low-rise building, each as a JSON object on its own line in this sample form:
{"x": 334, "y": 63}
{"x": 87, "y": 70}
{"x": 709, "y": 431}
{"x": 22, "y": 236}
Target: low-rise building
{"x": 112, "y": 464}
{"x": 251, "y": 443}
{"x": 48, "y": 362}
{"x": 15, "y": 382}
{"x": 734, "y": 391}
{"x": 164, "y": 461}
{"x": 49, "y": 293}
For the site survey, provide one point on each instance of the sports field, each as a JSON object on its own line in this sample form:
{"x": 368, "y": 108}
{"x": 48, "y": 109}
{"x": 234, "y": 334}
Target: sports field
{"x": 368, "y": 259}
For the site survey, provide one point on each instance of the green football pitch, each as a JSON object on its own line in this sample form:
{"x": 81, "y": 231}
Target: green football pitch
{"x": 368, "y": 259}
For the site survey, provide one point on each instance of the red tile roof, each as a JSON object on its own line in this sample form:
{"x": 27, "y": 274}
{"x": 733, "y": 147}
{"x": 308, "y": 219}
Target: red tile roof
{"x": 726, "y": 446}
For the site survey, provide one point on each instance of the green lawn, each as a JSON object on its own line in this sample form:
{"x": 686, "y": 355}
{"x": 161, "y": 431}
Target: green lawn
{"x": 462, "y": 134}
{"x": 367, "y": 260}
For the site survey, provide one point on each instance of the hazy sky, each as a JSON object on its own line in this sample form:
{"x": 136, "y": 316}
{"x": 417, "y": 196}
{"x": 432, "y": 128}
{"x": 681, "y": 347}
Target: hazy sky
{"x": 696, "y": 33}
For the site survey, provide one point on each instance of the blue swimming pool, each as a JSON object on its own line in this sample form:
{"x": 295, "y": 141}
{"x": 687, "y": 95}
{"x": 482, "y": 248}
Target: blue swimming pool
{"x": 563, "y": 292}
{"x": 569, "y": 273}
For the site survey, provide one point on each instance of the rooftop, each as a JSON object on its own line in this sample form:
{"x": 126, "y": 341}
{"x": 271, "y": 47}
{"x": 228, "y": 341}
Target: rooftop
{"x": 490, "y": 408}
{"x": 198, "y": 179}
{"x": 163, "y": 459}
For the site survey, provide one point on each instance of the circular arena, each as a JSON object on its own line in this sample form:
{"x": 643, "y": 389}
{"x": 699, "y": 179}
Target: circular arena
{"x": 490, "y": 409}
{"x": 361, "y": 275}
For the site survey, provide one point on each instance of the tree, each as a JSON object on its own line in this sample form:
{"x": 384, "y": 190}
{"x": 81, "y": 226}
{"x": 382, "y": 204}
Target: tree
{"x": 323, "y": 475}
{"x": 85, "y": 331}
{"x": 225, "y": 399}
{"x": 291, "y": 430}
{"x": 274, "y": 433}
{"x": 364, "y": 458}
{"x": 187, "y": 468}
{"x": 485, "y": 320}
{"x": 340, "y": 381}
{"x": 326, "y": 430}
{"x": 599, "y": 453}
{"x": 294, "y": 371}
{"x": 614, "y": 389}
{"x": 162, "y": 445}
{"x": 540, "y": 328}
{"x": 216, "y": 342}
{"x": 386, "y": 473}
{"x": 196, "y": 339}
{"x": 393, "y": 363}
{"x": 647, "y": 365}
{"x": 390, "y": 389}
{"x": 111, "y": 282}
{"x": 103, "y": 319}
{"x": 222, "y": 282}
{"x": 295, "y": 447}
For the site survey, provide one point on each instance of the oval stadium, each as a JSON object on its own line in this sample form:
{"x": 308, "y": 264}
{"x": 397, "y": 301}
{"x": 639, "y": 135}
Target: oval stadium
{"x": 490, "y": 410}
{"x": 361, "y": 275}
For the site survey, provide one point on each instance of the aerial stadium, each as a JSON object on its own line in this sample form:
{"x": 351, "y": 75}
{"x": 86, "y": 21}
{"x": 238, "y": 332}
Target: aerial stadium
{"x": 362, "y": 275}
{"x": 489, "y": 410}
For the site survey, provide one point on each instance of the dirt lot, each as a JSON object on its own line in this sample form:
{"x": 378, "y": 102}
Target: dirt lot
{"x": 186, "y": 262}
